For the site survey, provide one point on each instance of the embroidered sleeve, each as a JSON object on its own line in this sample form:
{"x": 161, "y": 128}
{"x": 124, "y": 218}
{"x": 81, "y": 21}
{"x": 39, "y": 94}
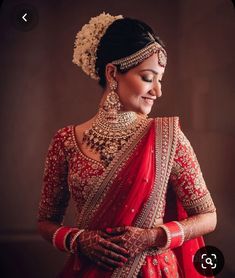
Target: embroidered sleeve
{"x": 55, "y": 194}
{"x": 187, "y": 179}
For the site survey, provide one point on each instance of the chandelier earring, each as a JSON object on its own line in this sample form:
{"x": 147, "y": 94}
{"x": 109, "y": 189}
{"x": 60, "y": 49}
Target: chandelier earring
{"x": 112, "y": 128}
{"x": 112, "y": 102}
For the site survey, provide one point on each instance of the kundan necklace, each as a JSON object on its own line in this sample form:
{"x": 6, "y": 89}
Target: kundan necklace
{"x": 108, "y": 134}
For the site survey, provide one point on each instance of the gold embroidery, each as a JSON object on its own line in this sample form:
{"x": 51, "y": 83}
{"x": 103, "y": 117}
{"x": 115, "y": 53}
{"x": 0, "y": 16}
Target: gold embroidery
{"x": 166, "y": 139}
{"x": 54, "y": 194}
{"x": 188, "y": 181}
{"x": 202, "y": 205}
{"x": 105, "y": 180}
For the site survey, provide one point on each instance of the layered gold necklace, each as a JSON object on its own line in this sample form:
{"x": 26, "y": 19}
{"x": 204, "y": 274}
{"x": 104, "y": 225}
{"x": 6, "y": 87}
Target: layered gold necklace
{"x": 109, "y": 134}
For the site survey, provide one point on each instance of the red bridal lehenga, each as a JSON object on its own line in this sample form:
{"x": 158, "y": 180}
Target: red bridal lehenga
{"x": 155, "y": 176}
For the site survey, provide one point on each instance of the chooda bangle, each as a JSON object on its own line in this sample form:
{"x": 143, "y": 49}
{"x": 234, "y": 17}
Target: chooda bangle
{"x": 60, "y": 236}
{"x": 73, "y": 243}
{"x": 175, "y": 234}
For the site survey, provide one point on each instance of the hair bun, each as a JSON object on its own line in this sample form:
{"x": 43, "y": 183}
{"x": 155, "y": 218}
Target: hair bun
{"x": 87, "y": 41}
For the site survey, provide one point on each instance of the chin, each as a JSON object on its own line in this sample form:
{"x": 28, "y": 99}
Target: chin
{"x": 145, "y": 111}
{"x": 139, "y": 110}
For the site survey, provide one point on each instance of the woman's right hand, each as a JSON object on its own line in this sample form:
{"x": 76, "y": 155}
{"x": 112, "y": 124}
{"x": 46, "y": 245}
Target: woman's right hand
{"x": 96, "y": 246}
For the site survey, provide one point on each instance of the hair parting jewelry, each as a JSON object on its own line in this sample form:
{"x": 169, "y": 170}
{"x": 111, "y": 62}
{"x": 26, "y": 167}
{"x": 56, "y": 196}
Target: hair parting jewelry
{"x": 88, "y": 39}
{"x": 139, "y": 56}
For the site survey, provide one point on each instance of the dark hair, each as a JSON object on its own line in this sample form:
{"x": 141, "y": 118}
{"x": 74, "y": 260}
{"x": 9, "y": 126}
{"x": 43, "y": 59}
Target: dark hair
{"x": 122, "y": 38}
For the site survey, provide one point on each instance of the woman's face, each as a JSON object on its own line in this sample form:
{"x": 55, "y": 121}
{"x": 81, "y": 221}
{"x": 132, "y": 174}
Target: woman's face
{"x": 140, "y": 86}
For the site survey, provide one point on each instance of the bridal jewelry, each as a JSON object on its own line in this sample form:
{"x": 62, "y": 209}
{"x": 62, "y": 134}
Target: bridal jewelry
{"x": 141, "y": 55}
{"x": 112, "y": 103}
{"x": 107, "y": 136}
{"x": 112, "y": 128}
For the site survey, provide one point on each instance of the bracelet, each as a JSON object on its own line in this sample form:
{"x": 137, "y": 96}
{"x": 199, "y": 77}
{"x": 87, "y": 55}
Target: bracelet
{"x": 59, "y": 237}
{"x": 175, "y": 234}
{"x": 181, "y": 232}
{"x": 168, "y": 236}
{"x": 73, "y": 242}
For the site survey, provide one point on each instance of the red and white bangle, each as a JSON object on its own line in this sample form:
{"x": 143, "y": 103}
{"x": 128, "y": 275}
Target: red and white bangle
{"x": 73, "y": 243}
{"x": 60, "y": 236}
{"x": 175, "y": 234}
{"x": 181, "y": 231}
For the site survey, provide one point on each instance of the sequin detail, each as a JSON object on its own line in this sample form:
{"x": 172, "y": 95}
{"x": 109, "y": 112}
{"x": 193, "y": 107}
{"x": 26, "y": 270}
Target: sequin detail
{"x": 67, "y": 172}
{"x": 188, "y": 181}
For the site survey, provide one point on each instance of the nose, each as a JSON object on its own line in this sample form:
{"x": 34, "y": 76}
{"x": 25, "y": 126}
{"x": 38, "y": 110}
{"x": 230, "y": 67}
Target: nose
{"x": 157, "y": 90}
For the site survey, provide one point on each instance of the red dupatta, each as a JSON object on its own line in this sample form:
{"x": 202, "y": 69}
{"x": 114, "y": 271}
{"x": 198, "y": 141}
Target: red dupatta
{"x": 132, "y": 192}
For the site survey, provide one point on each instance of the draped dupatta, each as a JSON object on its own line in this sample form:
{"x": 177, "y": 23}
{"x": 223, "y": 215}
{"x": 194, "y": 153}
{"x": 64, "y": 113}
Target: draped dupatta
{"x": 132, "y": 192}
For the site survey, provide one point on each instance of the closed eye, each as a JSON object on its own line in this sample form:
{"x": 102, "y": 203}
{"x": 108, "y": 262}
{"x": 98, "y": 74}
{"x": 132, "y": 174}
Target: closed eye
{"x": 151, "y": 80}
{"x": 147, "y": 79}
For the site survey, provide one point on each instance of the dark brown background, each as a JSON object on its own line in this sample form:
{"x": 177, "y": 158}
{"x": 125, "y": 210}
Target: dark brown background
{"x": 41, "y": 91}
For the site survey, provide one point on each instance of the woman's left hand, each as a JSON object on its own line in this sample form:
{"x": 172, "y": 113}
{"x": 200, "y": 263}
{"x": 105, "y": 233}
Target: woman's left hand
{"x": 134, "y": 239}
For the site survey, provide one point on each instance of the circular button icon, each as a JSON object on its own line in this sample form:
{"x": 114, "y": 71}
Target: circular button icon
{"x": 208, "y": 261}
{"x": 24, "y": 17}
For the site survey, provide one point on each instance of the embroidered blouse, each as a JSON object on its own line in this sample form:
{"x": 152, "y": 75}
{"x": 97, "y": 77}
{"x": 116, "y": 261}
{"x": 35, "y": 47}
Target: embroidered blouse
{"x": 68, "y": 172}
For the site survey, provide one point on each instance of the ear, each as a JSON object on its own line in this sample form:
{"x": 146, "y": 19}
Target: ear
{"x": 110, "y": 72}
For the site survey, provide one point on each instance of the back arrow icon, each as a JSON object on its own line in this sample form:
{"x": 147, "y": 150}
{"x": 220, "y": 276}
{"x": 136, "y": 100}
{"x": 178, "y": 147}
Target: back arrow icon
{"x": 24, "y": 17}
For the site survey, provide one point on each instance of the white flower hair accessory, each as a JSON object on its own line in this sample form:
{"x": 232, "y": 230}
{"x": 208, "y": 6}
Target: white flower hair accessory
{"x": 87, "y": 41}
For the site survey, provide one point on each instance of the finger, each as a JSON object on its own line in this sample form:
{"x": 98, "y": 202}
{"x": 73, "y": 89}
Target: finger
{"x": 104, "y": 266}
{"x": 110, "y": 262}
{"x": 99, "y": 256}
{"x": 114, "y": 247}
{"x": 114, "y": 256}
{"x": 95, "y": 256}
{"x": 116, "y": 230}
{"x": 104, "y": 234}
{"x": 116, "y": 239}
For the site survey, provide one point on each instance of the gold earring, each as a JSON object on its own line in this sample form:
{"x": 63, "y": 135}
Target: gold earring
{"x": 112, "y": 103}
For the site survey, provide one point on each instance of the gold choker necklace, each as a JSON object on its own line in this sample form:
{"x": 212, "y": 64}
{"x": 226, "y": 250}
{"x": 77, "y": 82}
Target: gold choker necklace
{"x": 108, "y": 135}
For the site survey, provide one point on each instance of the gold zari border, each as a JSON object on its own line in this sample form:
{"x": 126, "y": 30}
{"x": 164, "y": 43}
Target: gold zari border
{"x": 105, "y": 181}
{"x": 165, "y": 146}
{"x": 202, "y": 205}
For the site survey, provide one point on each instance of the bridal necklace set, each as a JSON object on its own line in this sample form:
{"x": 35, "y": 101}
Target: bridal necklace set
{"x": 112, "y": 128}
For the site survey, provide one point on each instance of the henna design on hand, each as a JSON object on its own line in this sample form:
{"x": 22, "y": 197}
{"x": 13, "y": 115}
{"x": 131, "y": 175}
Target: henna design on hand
{"x": 97, "y": 248}
{"x": 133, "y": 239}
